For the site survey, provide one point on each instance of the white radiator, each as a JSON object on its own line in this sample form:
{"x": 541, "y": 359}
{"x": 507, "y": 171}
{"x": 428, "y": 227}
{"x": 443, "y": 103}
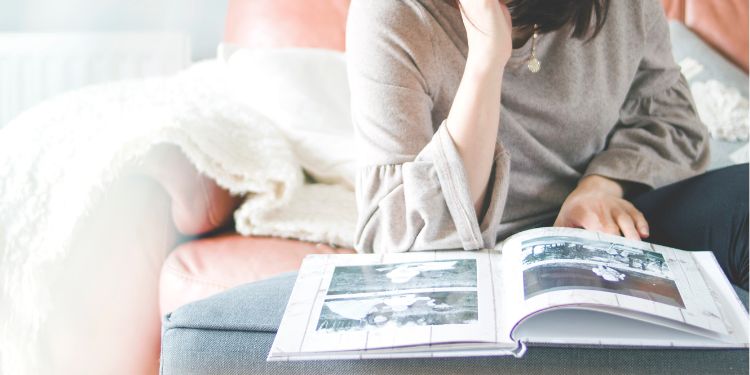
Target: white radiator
{"x": 34, "y": 67}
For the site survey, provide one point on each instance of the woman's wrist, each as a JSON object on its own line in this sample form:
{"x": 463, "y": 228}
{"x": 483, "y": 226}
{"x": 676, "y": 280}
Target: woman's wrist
{"x": 485, "y": 64}
{"x": 601, "y": 184}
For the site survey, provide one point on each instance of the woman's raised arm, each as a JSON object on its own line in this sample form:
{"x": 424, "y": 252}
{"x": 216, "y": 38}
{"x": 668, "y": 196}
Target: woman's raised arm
{"x": 421, "y": 180}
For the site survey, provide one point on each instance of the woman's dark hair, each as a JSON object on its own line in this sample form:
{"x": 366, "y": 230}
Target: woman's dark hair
{"x": 586, "y": 17}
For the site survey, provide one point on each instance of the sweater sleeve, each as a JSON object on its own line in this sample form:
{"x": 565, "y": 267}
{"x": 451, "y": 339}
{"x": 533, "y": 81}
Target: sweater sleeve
{"x": 659, "y": 139}
{"x": 411, "y": 184}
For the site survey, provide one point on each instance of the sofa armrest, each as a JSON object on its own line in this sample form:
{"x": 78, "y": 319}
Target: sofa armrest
{"x": 199, "y": 205}
{"x": 722, "y": 24}
{"x": 204, "y": 267}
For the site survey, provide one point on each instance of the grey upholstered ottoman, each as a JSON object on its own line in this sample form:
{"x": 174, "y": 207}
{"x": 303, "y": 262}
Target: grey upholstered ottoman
{"x": 232, "y": 332}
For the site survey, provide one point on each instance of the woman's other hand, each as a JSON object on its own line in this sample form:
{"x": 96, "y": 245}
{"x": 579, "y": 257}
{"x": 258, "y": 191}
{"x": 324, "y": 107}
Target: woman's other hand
{"x": 488, "y": 31}
{"x": 597, "y": 204}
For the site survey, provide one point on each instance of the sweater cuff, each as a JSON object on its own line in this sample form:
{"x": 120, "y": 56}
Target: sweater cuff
{"x": 498, "y": 190}
{"x": 453, "y": 181}
{"x": 625, "y": 165}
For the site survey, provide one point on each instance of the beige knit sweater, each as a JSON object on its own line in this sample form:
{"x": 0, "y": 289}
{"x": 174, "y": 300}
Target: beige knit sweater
{"x": 616, "y": 106}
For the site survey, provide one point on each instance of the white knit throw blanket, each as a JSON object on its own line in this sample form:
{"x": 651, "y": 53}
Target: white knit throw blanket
{"x": 58, "y": 159}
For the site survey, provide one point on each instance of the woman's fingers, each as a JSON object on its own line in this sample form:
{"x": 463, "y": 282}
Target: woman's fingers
{"x": 598, "y": 222}
{"x": 640, "y": 222}
{"x": 488, "y": 29}
{"x": 506, "y": 14}
{"x": 611, "y": 216}
{"x": 609, "y": 224}
{"x": 627, "y": 225}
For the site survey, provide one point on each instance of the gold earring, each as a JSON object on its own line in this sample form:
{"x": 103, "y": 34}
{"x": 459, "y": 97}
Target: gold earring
{"x": 533, "y": 63}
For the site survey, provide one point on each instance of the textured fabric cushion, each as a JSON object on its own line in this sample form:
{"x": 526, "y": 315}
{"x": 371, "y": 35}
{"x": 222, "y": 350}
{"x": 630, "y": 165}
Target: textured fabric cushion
{"x": 231, "y": 333}
{"x": 305, "y": 93}
{"x": 205, "y": 267}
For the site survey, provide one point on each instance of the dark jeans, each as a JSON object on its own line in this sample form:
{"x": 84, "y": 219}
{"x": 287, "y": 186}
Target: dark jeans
{"x": 706, "y": 212}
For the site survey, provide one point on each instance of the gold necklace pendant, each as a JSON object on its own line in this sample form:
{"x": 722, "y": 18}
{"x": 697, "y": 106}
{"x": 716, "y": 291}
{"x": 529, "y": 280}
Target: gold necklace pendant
{"x": 534, "y": 64}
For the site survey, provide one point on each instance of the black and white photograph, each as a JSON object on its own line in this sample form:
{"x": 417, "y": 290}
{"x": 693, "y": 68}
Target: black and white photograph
{"x": 607, "y": 254}
{"x": 552, "y": 277}
{"x": 555, "y": 263}
{"x": 367, "y": 297}
{"x": 398, "y": 310}
{"x": 459, "y": 273}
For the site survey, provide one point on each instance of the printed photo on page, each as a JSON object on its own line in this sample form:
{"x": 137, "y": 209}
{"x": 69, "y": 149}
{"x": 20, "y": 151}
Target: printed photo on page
{"x": 419, "y": 300}
{"x": 400, "y": 295}
{"x": 562, "y": 263}
{"x": 561, "y": 266}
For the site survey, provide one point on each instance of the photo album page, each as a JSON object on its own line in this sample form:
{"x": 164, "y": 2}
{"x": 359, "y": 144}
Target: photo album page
{"x": 551, "y": 267}
{"x": 403, "y": 302}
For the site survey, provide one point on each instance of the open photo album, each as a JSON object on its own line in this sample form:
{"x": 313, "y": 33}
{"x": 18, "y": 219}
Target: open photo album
{"x": 546, "y": 286}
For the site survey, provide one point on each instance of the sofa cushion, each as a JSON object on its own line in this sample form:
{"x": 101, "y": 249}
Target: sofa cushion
{"x": 288, "y": 23}
{"x": 722, "y": 23}
{"x": 688, "y": 45}
{"x": 205, "y": 267}
{"x": 231, "y": 333}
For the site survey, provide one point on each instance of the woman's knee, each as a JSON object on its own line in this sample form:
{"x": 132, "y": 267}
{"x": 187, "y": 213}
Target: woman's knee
{"x": 730, "y": 196}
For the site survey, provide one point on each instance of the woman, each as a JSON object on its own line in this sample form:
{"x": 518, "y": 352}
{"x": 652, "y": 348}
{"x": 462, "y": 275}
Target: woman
{"x": 482, "y": 118}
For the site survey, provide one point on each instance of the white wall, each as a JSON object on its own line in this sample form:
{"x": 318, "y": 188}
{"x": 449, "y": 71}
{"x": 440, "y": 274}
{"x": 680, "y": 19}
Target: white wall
{"x": 203, "y": 20}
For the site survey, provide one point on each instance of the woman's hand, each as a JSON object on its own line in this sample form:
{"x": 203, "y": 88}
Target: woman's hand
{"x": 488, "y": 32}
{"x": 597, "y": 204}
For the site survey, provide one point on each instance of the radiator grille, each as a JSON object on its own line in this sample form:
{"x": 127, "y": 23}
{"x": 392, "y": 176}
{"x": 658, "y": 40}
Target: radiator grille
{"x": 34, "y": 67}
